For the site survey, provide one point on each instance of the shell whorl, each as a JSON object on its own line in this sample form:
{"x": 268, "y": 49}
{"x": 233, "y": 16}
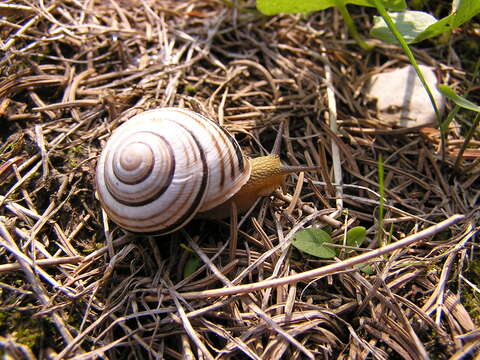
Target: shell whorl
{"x": 162, "y": 166}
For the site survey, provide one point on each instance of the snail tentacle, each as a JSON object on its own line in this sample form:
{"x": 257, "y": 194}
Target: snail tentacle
{"x": 162, "y": 167}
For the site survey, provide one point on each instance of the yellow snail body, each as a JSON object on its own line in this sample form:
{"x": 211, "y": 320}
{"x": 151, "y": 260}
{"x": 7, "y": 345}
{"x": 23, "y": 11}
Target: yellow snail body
{"x": 162, "y": 167}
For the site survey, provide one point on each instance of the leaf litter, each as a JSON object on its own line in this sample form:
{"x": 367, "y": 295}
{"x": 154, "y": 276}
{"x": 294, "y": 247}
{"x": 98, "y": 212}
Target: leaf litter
{"x": 72, "y": 71}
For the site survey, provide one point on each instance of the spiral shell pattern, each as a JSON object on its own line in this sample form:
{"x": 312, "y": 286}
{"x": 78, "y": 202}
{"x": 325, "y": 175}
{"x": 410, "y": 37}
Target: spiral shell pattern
{"x": 162, "y": 166}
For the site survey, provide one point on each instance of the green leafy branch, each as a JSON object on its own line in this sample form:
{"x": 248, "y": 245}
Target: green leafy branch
{"x": 396, "y": 25}
{"x": 273, "y": 7}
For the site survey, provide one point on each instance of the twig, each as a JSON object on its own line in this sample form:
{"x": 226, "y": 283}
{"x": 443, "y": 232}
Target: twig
{"x": 188, "y": 326}
{"x": 43, "y": 262}
{"x": 328, "y": 269}
{"x": 7, "y": 242}
{"x": 37, "y": 287}
{"x": 332, "y": 117}
{"x": 249, "y": 302}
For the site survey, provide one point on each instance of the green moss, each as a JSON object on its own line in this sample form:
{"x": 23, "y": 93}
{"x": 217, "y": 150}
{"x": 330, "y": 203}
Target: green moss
{"x": 76, "y": 150}
{"x": 471, "y": 299}
{"x": 191, "y": 90}
{"x": 475, "y": 270}
{"x": 3, "y": 317}
{"x": 88, "y": 250}
{"x": 443, "y": 236}
{"x": 472, "y": 303}
{"x": 74, "y": 156}
{"x": 22, "y": 327}
{"x": 91, "y": 245}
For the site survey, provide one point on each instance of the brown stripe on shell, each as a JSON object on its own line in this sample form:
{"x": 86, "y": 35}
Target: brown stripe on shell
{"x": 225, "y": 140}
{"x": 237, "y": 149}
{"x": 216, "y": 144}
{"x": 159, "y": 192}
{"x": 187, "y": 214}
{"x": 228, "y": 136}
{"x": 198, "y": 198}
{"x": 178, "y": 223}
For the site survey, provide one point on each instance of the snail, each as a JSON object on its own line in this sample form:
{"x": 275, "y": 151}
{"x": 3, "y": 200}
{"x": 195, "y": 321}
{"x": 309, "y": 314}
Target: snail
{"x": 164, "y": 166}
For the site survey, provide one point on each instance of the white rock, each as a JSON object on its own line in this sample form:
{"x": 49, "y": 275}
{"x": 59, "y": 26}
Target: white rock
{"x": 401, "y": 98}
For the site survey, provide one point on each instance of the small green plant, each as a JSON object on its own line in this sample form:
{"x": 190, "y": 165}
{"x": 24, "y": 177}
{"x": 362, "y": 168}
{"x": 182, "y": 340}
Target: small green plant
{"x": 273, "y": 7}
{"x": 381, "y": 206}
{"x": 460, "y": 102}
{"x": 457, "y": 99}
{"x": 413, "y": 26}
{"x": 416, "y": 26}
{"x": 192, "y": 264}
{"x": 313, "y": 241}
{"x": 316, "y": 242}
{"x": 395, "y": 25}
{"x": 356, "y": 236}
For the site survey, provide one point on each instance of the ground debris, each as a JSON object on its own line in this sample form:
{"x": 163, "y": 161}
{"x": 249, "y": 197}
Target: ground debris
{"x": 72, "y": 71}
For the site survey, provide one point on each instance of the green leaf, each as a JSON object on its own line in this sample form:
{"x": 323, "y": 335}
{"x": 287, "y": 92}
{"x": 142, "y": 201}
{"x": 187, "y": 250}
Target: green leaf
{"x": 394, "y": 5}
{"x": 463, "y": 10}
{"x": 416, "y": 26}
{"x": 273, "y": 7}
{"x": 391, "y": 25}
{"x": 311, "y": 242}
{"x": 191, "y": 266}
{"x": 457, "y": 99}
{"x": 356, "y": 236}
{"x": 409, "y": 23}
{"x": 437, "y": 28}
{"x": 367, "y": 269}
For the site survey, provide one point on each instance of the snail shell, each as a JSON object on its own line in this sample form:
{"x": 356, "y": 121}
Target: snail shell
{"x": 163, "y": 166}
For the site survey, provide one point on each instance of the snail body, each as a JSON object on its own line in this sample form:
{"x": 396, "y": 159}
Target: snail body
{"x": 267, "y": 174}
{"x": 162, "y": 167}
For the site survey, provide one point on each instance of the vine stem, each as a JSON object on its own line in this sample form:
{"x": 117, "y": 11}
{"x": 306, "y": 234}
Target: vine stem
{"x": 352, "y": 29}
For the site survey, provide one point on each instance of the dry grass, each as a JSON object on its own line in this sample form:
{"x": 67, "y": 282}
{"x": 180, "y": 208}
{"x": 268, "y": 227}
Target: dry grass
{"x": 73, "y": 285}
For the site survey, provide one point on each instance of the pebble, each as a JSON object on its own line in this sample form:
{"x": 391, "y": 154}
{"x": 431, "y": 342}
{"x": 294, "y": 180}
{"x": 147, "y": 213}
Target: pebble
{"x": 401, "y": 99}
